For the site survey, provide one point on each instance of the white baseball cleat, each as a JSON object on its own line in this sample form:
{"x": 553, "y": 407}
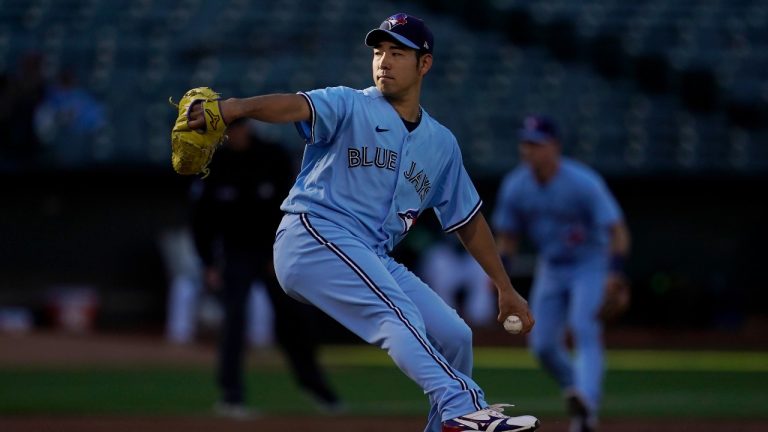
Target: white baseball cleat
{"x": 491, "y": 419}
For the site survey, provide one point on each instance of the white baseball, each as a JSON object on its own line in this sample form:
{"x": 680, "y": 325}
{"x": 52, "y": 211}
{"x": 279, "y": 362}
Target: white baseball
{"x": 513, "y": 324}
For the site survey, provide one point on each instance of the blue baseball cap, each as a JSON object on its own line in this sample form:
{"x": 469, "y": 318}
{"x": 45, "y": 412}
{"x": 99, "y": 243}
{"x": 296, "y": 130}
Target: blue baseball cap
{"x": 405, "y": 29}
{"x": 538, "y": 129}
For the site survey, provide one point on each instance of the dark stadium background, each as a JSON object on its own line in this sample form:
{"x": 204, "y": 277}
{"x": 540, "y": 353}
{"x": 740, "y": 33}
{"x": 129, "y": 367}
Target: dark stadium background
{"x": 666, "y": 99}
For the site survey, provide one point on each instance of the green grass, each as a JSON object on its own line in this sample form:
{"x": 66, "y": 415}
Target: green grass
{"x": 103, "y": 391}
{"x": 639, "y": 384}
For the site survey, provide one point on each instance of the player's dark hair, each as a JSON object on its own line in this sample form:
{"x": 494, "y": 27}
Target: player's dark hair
{"x": 419, "y": 55}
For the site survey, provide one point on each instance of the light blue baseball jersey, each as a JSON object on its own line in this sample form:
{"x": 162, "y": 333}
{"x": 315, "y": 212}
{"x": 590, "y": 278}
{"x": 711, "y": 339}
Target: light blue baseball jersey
{"x": 566, "y": 218}
{"x": 363, "y": 170}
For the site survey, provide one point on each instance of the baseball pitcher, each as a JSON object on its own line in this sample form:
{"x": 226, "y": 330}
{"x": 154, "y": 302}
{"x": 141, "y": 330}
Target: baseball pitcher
{"x": 374, "y": 161}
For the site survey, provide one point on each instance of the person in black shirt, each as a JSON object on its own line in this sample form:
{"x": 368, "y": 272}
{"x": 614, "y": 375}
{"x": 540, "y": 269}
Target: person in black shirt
{"x": 235, "y": 212}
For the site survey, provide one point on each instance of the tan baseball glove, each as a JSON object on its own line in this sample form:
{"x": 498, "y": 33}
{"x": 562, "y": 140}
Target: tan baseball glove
{"x": 616, "y": 298}
{"x": 192, "y": 150}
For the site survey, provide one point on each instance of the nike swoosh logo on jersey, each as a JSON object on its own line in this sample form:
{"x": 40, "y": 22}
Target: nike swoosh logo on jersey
{"x": 378, "y": 129}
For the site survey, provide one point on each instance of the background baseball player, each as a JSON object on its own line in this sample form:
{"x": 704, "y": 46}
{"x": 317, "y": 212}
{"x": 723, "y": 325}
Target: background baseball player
{"x": 249, "y": 178}
{"x": 374, "y": 161}
{"x": 577, "y": 226}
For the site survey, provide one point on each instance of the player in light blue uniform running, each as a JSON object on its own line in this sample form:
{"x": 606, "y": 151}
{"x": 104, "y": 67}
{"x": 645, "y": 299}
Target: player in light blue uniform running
{"x": 577, "y": 227}
{"x": 374, "y": 161}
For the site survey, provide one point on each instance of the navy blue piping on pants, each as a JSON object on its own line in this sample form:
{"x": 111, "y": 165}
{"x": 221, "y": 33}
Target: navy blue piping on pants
{"x": 376, "y": 290}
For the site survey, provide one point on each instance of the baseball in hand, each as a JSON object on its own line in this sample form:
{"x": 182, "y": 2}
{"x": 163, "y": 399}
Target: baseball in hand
{"x": 513, "y": 324}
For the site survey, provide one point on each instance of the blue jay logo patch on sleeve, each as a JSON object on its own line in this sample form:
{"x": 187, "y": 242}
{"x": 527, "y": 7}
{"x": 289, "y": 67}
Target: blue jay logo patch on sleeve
{"x": 409, "y": 218}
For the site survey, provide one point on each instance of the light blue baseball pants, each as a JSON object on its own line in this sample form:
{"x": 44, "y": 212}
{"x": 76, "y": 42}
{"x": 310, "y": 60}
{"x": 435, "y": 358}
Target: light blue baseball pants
{"x": 378, "y": 299}
{"x": 569, "y": 297}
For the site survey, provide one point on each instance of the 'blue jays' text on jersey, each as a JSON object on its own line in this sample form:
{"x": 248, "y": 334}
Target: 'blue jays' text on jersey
{"x": 567, "y": 218}
{"x": 364, "y": 171}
